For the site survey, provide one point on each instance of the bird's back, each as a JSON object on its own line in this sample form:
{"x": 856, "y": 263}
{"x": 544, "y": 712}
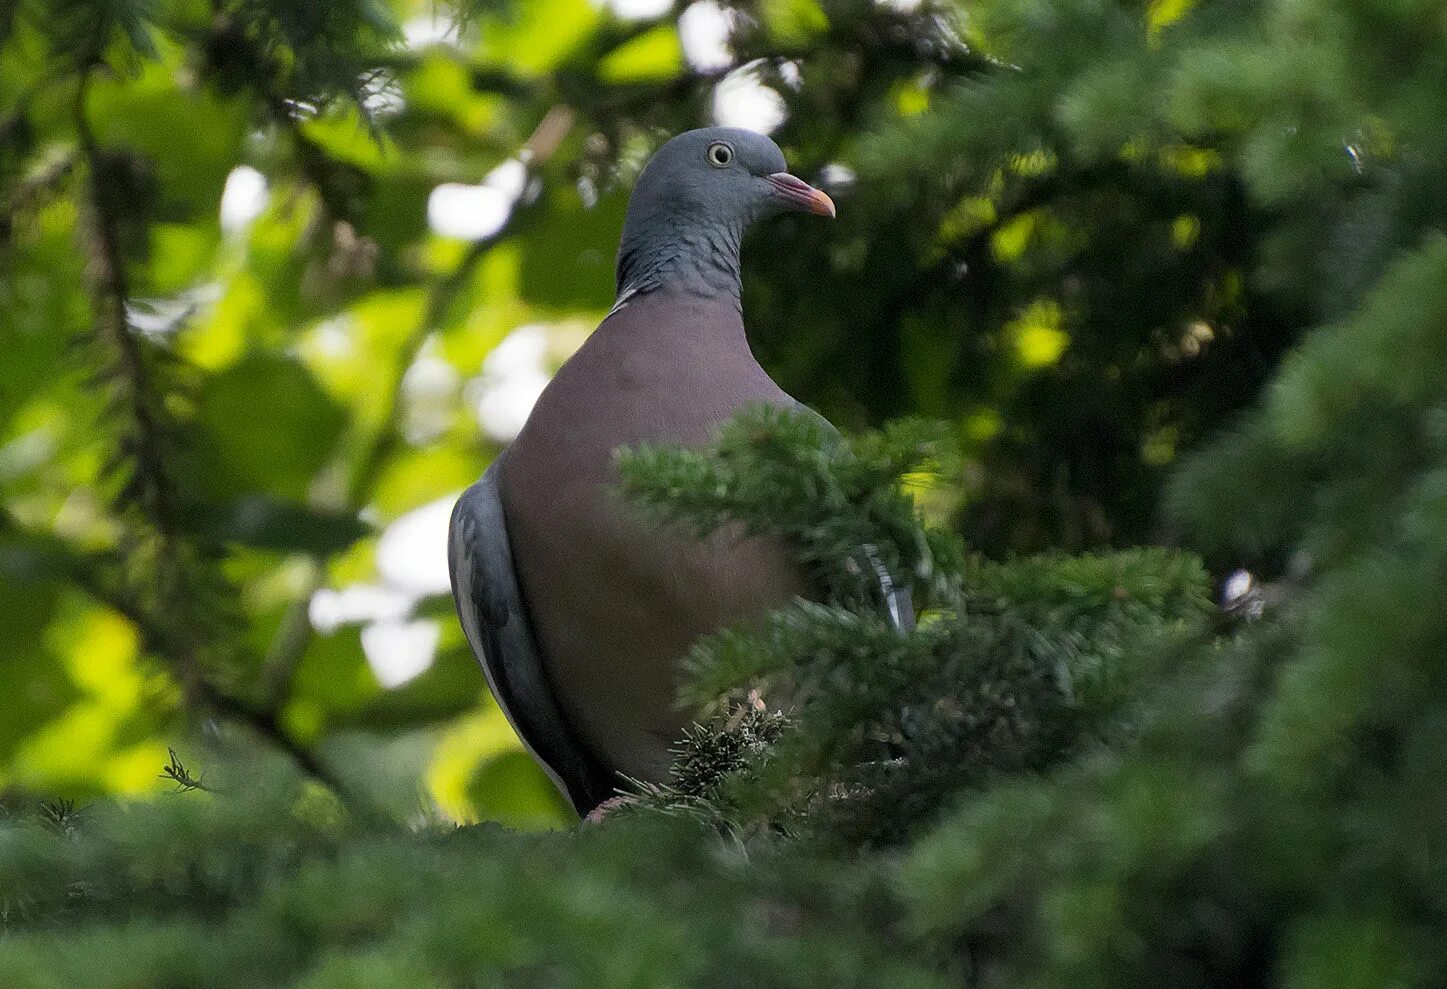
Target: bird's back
{"x": 616, "y": 600}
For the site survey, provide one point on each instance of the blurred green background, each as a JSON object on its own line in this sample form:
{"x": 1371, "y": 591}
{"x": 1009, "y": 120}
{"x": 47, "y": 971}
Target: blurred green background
{"x": 277, "y": 281}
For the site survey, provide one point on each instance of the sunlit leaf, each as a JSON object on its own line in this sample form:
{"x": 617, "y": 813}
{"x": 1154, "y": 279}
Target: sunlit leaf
{"x": 456, "y": 778}
{"x": 538, "y": 35}
{"x": 510, "y": 788}
{"x": 656, "y": 54}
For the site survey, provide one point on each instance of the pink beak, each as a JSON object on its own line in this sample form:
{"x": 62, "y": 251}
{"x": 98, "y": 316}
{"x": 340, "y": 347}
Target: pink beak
{"x": 800, "y": 195}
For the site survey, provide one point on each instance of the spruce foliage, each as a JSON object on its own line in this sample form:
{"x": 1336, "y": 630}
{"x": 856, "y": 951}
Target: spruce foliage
{"x": 1018, "y": 669}
{"x": 1016, "y": 666}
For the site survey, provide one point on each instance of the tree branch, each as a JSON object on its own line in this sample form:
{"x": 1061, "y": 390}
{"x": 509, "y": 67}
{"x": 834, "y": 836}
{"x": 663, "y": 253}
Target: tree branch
{"x": 149, "y": 487}
{"x": 88, "y": 572}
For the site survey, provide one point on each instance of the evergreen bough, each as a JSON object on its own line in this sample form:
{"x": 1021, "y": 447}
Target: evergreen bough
{"x": 1017, "y": 671}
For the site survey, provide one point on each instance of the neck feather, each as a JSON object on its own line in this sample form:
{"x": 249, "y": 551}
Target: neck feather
{"x": 680, "y": 254}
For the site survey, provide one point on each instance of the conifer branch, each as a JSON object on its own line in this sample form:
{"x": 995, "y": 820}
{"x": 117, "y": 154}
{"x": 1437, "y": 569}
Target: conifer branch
{"x": 130, "y": 374}
{"x": 176, "y": 771}
{"x": 229, "y": 38}
{"x": 60, "y": 814}
{"x": 91, "y": 573}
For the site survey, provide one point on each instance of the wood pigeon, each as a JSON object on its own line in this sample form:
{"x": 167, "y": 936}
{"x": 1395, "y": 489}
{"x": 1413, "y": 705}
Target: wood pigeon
{"x": 578, "y": 609}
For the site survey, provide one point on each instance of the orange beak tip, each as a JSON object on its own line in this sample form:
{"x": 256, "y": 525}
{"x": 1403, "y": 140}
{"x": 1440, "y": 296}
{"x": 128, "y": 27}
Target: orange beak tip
{"x": 800, "y": 195}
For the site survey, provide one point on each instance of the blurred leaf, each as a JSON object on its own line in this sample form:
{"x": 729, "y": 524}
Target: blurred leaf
{"x": 468, "y": 745}
{"x": 33, "y": 559}
{"x": 396, "y": 212}
{"x": 72, "y": 22}
{"x": 354, "y": 353}
{"x": 35, "y": 687}
{"x": 266, "y": 522}
{"x": 655, "y": 54}
{"x": 115, "y": 705}
{"x": 415, "y": 477}
{"x": 446, "y": 689}
{"x": 511, "y": 788}
{"x": 794, "y": 21}
{"x": 262, "y": 425}
{"x": 180, "y": 255}
{"x": 345, "y": 137}
{"x": 332, "y": 683}
{"x": 567, "y": 259}
{"x": 537, "y": 36}
{"x": 191, "y": 139}
{"x": 42, "y": 305}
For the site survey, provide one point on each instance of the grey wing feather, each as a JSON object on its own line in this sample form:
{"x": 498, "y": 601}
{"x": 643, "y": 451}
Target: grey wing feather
{"x": 494, "y": 616}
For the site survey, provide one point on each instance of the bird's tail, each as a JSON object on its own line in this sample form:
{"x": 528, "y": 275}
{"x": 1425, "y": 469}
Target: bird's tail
{"x": 897, "y": 599}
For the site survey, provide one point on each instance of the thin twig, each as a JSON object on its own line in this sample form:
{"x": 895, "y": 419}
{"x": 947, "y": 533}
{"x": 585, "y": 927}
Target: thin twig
{"x": 176, "y": 771}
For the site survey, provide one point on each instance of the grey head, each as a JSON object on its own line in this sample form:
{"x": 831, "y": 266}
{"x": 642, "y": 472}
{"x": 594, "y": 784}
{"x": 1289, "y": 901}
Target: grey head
{"x": 692, "y": 205}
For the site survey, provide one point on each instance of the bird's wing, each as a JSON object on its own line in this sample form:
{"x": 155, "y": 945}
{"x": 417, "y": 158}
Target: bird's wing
{"x": 896, "y": 600}
{"x": 494, "y": 616}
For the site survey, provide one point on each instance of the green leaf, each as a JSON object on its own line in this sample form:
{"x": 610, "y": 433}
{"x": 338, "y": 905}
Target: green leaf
{"x": 36, "y": 687}
{"x": 536, "y": 37}
{"x": 794, "y": 21}
{"x": 653, "y": 55}
{"x": 191, "y": 138}
{"x": 567, "y": 259}
{"x": 332, "y": 683}
{"x": 446, "y": 689}
{"x": 262, "y": 425}
{"x": 512, "y": 789}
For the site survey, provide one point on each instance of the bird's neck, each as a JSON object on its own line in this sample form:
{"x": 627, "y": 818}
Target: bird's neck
{"x": 681, "y": 255}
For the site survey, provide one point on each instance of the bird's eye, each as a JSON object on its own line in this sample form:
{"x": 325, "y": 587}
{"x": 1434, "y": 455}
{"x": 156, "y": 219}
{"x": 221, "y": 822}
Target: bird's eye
{"x": 720, "y": 155}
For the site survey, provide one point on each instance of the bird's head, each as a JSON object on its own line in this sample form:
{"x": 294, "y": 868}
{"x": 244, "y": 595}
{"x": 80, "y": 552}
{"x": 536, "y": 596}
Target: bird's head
{"x": 695, "y": 199}
{"x": 726, "y": 174}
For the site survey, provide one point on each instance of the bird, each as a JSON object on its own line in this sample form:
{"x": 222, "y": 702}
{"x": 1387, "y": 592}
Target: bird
{"x": 579, "y": 608}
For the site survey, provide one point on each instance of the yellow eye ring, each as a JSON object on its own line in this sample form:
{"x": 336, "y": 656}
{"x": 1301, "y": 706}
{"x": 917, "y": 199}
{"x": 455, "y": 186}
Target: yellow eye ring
{"x": 720, "y": 155}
